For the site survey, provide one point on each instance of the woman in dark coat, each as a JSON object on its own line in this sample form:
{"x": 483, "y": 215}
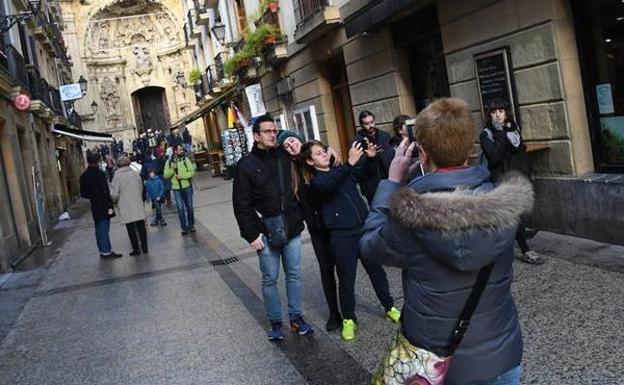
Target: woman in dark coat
{"x": 503, "y": 147}
{"x": 291, "y": 143}
{"x": 343, "y": 211}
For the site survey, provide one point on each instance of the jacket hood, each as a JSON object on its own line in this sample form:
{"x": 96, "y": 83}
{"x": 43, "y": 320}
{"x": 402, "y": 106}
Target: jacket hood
{"x": 466, "y": 229}
{"x": 465, "y": 209}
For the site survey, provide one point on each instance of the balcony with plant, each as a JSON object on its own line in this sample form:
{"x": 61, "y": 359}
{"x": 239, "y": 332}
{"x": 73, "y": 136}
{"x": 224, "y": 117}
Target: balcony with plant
{"x": 255, "y": 44}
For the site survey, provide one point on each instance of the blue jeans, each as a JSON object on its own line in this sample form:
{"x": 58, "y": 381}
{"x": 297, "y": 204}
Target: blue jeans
{"x": 510, "y": 377}
{"x": 290, "y": 258}
{"x": 157, "y": 211}
{"x": 184, "y": 205}
{"x": 102, "y": 229}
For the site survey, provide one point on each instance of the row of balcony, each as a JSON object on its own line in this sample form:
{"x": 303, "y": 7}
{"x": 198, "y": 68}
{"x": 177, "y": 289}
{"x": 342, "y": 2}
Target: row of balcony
{"x": 213, "y": 80}
{"x": 28, "y": 76}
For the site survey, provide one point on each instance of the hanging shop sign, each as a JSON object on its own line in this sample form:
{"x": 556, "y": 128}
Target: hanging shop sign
{"x": 70, "y": 92}
{"x": 22, "y": 102}
{"x": 255, "y": 100}
{"x": 494, "y": 78}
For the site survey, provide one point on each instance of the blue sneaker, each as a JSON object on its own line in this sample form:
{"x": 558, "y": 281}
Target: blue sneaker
{"x": 276, "y": 333}
{"x": 299, "y": 326}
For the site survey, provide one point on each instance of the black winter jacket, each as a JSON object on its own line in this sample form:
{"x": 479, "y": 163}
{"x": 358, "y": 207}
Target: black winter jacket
{"x": 257, "y": 190}
{"x": 93, "y": 186}
{"x": 342, "y": 208}
{"x": 503, "y": 156}
{"x": 380, "y": 171}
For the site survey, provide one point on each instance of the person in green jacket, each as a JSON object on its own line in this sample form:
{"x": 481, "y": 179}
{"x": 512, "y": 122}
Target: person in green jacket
{"x": 180, "y": 170}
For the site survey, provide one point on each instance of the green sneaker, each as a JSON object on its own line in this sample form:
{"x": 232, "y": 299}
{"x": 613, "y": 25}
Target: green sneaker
{"x": 394, "y": 315}
{"x": 348, "y": 329}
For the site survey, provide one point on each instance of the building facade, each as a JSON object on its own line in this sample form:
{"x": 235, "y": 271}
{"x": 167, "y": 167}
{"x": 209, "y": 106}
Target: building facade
{"x": 39, "y": 169}
{"x": 334, "y": 58}
{"x": 131, "y": 52}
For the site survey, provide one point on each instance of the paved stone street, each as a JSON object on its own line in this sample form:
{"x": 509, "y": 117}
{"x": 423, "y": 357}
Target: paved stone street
{"x": 190, "y": 312}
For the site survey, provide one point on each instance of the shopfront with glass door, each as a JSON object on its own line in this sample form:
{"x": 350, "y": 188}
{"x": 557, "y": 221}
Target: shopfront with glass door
{"x": 600, "y": 37}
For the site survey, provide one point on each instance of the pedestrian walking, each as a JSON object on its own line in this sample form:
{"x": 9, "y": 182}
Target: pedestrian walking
{"x": 505, "y": 150}
{"x": 187, "y": 140}
{"x": 155, "y": 191}
{"x": 94, "y": 187}
{"x": 180, "y": 171}
{"x": 127, "y": 191}
{"x": 343, "y": 211}
{"x": 264, "y": 184}
{"x": 452, "y": 233}
{"x": 291, "y": 142}
{"x": 369, "y": 134}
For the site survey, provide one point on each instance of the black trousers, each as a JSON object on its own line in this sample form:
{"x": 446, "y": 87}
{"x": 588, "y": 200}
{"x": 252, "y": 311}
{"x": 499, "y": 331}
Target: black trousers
{"x": 136, "y": 232}
{"x": 346, "y": 252}
{"x": 327, "y": 266}
{"x": 522, "y": 239}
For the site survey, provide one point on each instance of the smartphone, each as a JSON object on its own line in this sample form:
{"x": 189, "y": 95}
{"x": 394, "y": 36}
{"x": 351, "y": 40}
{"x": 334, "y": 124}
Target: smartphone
{"x": 409, "y": 125}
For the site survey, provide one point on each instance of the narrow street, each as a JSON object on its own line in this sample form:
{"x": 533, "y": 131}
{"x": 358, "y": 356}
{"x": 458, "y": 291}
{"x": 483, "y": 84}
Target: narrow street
{"x": 190, "y": 312}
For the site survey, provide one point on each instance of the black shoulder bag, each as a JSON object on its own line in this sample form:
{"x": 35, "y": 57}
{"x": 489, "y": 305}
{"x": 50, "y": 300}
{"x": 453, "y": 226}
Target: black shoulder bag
{"x": 276, "y": 226}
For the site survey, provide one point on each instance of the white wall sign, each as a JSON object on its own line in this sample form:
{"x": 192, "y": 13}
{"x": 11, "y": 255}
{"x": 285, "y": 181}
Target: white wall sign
{"x": 605, "y": 99}
{"x": 256, "y": 102}
{"x": 70, "y": 92}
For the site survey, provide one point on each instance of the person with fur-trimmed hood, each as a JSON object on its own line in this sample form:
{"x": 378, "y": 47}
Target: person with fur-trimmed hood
{"x": 442, "y": 229}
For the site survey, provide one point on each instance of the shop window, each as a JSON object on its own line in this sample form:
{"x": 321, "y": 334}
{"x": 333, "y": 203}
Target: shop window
{"x": 600, "y": 34}
{"x": 306, "y": 124}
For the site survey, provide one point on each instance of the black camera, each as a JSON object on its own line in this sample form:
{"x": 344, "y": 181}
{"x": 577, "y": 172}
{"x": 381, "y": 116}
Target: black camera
{"x": 409, "y": 126}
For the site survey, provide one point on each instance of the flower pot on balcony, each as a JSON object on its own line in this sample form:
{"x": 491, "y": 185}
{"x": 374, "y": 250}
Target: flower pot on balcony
{"x": 270, "y": 39}
{"x": 273, "y": 6}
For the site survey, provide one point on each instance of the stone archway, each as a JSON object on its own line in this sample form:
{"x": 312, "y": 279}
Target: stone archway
{"x": 132, "y": 51}
{"x": 150, "y": 109}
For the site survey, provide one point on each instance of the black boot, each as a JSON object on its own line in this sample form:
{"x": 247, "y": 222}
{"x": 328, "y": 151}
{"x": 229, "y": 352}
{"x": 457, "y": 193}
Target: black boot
{"x": 334, "y": 321}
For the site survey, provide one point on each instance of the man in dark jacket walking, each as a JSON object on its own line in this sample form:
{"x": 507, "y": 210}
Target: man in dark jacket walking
{"x": 258, "y": 189}
{"x": 93, "y": 186}
{"x": 381, "y": 140}
{"x": 443, "y": 229}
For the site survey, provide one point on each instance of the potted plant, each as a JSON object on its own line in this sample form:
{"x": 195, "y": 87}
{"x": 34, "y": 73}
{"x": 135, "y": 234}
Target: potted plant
{"x": 194, "y": 76}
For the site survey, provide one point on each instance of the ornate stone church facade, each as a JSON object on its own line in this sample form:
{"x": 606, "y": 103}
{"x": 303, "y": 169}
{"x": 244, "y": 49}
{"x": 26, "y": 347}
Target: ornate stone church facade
{"x": 130, "y": 51}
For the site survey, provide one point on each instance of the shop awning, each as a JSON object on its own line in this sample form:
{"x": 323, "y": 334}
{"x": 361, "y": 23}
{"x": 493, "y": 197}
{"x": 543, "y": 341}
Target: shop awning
{"x": 87, "y": 136}
{"x": 377, "y": 13}
{"x": 201, "y": 111}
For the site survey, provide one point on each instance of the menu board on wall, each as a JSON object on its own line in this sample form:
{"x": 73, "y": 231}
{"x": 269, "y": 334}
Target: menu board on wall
{"x": 494, "y": 78}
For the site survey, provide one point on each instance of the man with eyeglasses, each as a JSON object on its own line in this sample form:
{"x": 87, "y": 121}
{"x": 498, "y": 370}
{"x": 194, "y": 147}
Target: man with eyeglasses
{"x": 263, "y": 185}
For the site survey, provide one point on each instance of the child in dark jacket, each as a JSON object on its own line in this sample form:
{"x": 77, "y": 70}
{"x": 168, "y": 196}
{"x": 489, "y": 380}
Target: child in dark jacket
{"x": 155, "y": 191}
{"x": 343, "y": 211}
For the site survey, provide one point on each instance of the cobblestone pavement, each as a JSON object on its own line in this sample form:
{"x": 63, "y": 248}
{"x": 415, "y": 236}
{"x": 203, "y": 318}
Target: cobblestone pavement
{"x": 190, "y": 312}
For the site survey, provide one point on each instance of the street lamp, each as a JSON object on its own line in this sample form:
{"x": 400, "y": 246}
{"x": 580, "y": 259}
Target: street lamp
{"x": 8, "y": 21}
{"x": 83, "y": 85}
{"x": 181, "y": 79}
{"x": 94, "y": 107}
{"x": 219, "y": 31}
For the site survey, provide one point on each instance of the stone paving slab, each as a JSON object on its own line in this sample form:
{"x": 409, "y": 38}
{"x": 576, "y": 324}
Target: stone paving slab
{"x": 174, "y": 318}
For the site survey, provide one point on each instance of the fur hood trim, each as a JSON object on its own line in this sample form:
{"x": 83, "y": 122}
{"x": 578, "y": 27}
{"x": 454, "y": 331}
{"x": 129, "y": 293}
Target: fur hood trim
{"x": 464, "y": 209}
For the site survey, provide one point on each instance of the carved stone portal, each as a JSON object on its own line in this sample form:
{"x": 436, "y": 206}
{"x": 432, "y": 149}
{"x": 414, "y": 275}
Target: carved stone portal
{"x": 109, "y": 94}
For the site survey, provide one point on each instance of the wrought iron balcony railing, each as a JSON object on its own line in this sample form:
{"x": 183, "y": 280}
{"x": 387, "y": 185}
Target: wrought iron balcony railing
{"x": 306, "y": 9}
{"x": 39, "y": 88}
{"x": 55, "y": 97}
{"x": 219, "y": 63}
{"x": 17, "y": 66}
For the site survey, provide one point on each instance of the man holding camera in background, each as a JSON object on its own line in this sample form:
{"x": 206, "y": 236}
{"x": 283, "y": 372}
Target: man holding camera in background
{"x": 180, "y": 170}
{"x": 370, "y": 135}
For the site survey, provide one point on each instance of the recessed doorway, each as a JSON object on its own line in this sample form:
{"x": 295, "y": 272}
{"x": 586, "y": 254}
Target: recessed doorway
{"x": 150, "y": 109}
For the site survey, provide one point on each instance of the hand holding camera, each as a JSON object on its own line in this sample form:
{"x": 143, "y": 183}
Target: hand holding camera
{"x": 400, "y": 166}
{"x": 355, "y": 153}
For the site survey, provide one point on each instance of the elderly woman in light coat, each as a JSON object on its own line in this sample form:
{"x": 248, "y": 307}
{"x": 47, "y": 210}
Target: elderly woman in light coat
{"x": 127, "y": 192}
